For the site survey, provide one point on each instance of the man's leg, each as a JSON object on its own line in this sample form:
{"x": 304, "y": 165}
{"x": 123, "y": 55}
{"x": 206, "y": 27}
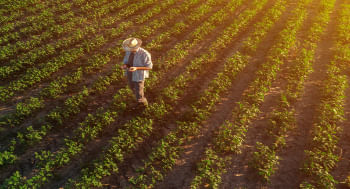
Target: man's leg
{"x": 131, "y": 83}
{"x": 140, "y": 96}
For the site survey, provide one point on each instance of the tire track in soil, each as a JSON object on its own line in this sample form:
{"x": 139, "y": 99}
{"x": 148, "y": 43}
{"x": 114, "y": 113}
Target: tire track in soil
{"x": 342, "y": 169}
{"x": 183, "y": 173}
{"x": 289, "y": 173}
{"x": 108, "y": 132}
{"x": 240, "y": 175}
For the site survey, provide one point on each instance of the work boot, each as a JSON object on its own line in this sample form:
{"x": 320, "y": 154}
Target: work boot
{"x": 133, "y": 105}
{"x": 140, "y": 107}
{"x": 142, "y": 104}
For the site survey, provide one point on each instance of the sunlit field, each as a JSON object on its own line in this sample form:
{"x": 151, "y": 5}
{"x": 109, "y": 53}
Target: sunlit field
{"x": 242, "y": 94}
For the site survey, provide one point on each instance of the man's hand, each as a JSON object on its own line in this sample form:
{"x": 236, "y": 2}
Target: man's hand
{"x": 132, "y": 69}
{"x": 124, "y": 66}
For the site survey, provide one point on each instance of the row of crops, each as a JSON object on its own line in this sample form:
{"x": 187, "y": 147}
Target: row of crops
{"x": 67, "y": 118}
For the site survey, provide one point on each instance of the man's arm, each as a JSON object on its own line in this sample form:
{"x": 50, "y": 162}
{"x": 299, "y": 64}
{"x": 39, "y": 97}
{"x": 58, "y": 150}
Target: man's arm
{"x": 125, "y": 61}
{"x": 126, "y": 57}
{"x": 147, "y": 61}
{"x": 131, "y": 69}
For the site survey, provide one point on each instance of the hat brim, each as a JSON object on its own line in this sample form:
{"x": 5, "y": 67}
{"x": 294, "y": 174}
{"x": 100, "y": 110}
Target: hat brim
{"x": 127, "y": 41}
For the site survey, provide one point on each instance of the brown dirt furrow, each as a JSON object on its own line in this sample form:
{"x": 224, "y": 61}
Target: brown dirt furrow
{"x": 72, "y": 90}
{"x": 88, "y": 80}
{"x": 183, "y": 173}
{"x": 24, "y": 37}
{"x": 80, "y": 62}
{"x": 342, "y": 169}
{"x": 292, "y": 156}
{"x": 26, "y": 14}
{"x": 240, "y": 175}
{"x": 95, "y": 148}
{"x": 77, "y": 12}
{"x": 100, "y": 100}
{"x": 180, "y": 113}
{"x": 55, "y": 140}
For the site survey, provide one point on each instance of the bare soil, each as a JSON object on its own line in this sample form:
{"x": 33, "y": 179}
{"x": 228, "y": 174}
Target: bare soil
{"x": 341, "y": 171}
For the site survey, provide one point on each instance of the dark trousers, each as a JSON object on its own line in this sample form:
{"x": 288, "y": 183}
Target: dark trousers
{"x": 137, "y": 88}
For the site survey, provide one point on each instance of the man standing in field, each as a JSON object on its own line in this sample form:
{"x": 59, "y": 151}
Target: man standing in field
{"x": 137, "y": 61}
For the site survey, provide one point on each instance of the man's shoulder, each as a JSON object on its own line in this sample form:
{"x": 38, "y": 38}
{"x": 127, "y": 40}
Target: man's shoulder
{"x": 144, "y": 51}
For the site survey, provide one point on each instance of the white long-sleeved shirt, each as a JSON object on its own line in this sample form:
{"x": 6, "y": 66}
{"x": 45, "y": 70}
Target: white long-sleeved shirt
{"x": 142, "y": 58}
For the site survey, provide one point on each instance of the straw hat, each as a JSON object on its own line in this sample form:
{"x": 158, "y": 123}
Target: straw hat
{"x": 131, "y": 44}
